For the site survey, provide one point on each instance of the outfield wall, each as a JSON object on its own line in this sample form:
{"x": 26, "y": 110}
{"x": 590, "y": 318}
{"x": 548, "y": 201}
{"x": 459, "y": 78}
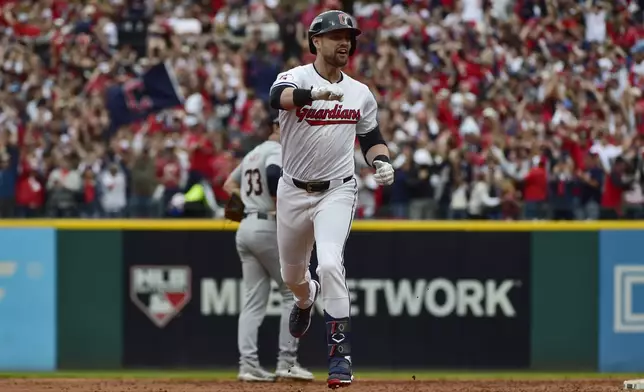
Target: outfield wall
{"x": 461, "y": 295}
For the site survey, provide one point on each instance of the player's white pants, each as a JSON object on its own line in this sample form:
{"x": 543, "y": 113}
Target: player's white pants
{"x": 324, "y": 219}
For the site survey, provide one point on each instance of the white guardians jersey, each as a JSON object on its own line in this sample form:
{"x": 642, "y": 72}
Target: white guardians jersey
{"x": 318, "y": 139}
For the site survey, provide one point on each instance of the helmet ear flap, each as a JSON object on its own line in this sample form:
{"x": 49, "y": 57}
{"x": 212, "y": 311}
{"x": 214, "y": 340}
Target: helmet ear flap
{"x": 312, "y": 47}
{"x": 354, "y": 42}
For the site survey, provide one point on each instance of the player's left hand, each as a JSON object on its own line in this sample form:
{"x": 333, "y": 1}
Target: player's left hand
{"x": 234, "y": 209}
{"x": 384, "y": 173}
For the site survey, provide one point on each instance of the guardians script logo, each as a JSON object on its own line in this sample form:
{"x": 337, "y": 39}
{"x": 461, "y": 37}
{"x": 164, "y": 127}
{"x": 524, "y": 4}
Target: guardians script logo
{"x": 337, "y": 115}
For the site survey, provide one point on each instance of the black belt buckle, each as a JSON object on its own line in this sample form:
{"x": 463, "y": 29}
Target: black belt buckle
{"x": 319, "y": 186}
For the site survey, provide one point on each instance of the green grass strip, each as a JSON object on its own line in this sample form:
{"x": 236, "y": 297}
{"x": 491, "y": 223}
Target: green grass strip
{"x": 321, "y": 375}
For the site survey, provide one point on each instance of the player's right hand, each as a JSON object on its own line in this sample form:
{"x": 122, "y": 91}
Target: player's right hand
{"x": 384, "y": 173}
{"x": 327, "y": 93}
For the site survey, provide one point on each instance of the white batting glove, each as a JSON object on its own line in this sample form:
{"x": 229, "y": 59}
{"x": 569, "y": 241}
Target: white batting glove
{"x": 384, "y": 173}
{"x": 327, "y": 93}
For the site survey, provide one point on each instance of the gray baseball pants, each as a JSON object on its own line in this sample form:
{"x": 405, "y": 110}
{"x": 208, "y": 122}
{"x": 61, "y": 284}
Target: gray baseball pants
{"x": 257, "y": 248}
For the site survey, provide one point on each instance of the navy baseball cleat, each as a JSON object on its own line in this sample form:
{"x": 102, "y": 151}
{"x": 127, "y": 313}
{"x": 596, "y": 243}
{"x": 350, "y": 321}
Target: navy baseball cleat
{"x": 338, "y": 333}
{"x": 300, "y": 319}
{"x": 340, "y": 374}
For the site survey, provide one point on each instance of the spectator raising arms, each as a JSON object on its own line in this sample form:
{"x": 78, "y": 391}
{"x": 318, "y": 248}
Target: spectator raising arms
{"x": 505, "y": 109}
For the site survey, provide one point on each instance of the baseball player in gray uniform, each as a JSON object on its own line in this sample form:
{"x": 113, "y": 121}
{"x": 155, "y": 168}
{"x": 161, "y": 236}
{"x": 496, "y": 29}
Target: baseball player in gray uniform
{"x": 322, "y": 110}
{"x": 255, "y": 180}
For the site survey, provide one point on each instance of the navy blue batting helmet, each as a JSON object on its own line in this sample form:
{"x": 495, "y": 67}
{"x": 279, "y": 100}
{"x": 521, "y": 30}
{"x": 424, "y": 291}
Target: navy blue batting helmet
{"x": 330, "y": 21}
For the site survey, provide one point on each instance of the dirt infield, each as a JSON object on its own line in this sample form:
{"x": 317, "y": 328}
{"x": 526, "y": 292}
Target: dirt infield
{"x": 152, "y": 385}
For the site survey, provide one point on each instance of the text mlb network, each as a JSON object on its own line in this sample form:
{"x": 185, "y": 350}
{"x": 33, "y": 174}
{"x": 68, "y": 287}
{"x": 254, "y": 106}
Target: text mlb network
{"x": 370, "y": 297}
{"x": 438, "y": 297}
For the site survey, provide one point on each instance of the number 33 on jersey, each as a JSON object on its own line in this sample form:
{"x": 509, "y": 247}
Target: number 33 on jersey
{"x": 251, "y": 175}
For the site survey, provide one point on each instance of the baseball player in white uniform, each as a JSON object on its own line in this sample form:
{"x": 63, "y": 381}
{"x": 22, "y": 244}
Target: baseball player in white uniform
{"x": 255, "y": 181}
{"x": 321, "y": 112}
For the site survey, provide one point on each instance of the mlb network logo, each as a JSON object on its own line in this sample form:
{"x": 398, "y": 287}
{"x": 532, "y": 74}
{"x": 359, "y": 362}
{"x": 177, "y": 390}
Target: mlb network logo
{"x": 629, "y": 281}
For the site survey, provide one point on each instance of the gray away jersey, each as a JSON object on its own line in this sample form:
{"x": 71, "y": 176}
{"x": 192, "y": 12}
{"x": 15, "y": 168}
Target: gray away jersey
{"x": 251, "y": 175}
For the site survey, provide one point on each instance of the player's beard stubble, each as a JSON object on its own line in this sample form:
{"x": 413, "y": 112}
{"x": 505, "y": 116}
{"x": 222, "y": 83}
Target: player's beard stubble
{"x": 336, "y": 59}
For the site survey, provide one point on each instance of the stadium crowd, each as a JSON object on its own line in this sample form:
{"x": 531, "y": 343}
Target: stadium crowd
{"x": 503, "y": 109}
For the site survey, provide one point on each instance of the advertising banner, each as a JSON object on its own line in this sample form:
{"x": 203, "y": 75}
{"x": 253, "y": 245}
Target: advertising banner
{"x": 27, "y": 299}
{"x": 621, "y": 303}
{"x": 565, "y": 310}
{"x": 168, "y": 319}
{"x": 419, "y": 299}
{"x": 90, "y": 281}
{"x": 441, "y": 299}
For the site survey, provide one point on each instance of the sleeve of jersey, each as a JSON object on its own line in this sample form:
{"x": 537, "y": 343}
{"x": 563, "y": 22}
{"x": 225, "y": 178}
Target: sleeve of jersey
{"x": 369, "y": 119}
{"x": 236, "y": 175}
{"x": 273, "y": 172}
{"x": 286, "y": 79}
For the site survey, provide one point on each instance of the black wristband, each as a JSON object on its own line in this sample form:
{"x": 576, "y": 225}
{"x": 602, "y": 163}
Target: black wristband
{"x": 302, "y": 97}
{"x": 382, "y": 158}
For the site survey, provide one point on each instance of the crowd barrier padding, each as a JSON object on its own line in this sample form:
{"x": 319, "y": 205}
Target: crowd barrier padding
{"x": 167, "y": 293}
